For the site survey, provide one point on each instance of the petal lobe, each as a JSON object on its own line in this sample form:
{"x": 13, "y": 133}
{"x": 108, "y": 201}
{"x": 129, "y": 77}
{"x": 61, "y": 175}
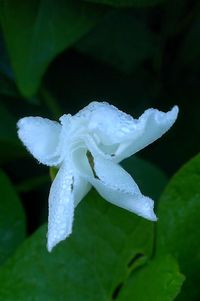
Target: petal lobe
{"x": 41, "y": 137}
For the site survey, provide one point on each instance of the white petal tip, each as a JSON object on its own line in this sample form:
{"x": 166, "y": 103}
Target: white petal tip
{"x": 49, "y": 248}
{"x": 167, "y": 118}
{"x": 146, "y": 209}
{"x": 21, "y": 124}
{"x": 153, "y": 217}
{"x": 51, "y": 243}
{"x": 173, "y": 113}
{"x": 175, "y": 108}
{"x": 22, "y": 121}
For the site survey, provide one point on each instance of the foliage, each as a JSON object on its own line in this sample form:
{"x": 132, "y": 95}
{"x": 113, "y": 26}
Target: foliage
{"x": 44, "y": 29}
{"x": 179, "y": 218}
{"x": 12, "y": 219}
{"x": 104, "y": 241}
{"x": 120, "y": 44}
{"x": 160, "y": 279}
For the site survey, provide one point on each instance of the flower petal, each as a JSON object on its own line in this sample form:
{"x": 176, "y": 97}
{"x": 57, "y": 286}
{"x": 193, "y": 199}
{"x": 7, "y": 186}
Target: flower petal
{"x": 106, "y": 121}
{"x": 118, "y": 134}
{"x": 41, "y": 138}
{"x": 61, "y": 207}
{"x": 113, "y": 183}
{"x": 149, "y": 127}
{"x": 81, "y": 188}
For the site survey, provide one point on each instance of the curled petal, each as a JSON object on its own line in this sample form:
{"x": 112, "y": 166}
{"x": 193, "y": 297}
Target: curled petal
{"x": 107, "y": 122}
{"x": 148, "y": 128}
{"x": 118, "y": 134}
{"x": 114, "y": 184}
{"x": 61, "y": 207}
{"x": 41, "y": 138}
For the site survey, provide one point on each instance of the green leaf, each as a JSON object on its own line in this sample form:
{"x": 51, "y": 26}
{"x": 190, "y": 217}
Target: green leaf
{"x": 127, "y": 3}
{"x": 178, "y": 230}
{"x": 150, "y": 179}
{"x": 5, "y": 67}
{"x": 160, "y": 279}
{"x": 121, "y": 39}
{"x": 88, "y": 266}
{"x": 36, "y": 31}
{"x": 7, "y": 85}
{"x": 11, "y": 148}
{"x": 12, "y": 219}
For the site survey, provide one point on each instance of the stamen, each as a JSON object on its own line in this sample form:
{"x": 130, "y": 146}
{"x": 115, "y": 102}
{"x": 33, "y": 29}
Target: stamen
{"x": 91, "y": 162}
{"x": 72, "y": 184}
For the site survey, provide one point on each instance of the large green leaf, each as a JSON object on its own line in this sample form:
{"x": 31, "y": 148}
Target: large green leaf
{"x": 150, "y": 179}
{"x": 127, "y": 3}
{"x": 7, "y": 86}
{"x": 159, "y": 280}
{"x": 121, "y": 39}
{"x": 179, "y": 225}
{"x": 36, "y": 31}
{"x": 12, "y": 219}
{"x": 88, "y": 266}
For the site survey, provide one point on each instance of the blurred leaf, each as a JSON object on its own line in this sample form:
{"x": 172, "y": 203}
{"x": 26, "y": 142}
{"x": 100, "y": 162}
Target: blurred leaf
{"x": 11, "y": 147}
{"x": 7, "y": 85}
{"x": 150, "y": 179}
{"x": 121, "y": 39}
{"x": 89, "y": 265}
{"x": 12, "y": 219}
{"x": 90, "y": 80}
{"x": 160, "y": 280}
{"x": 32, "y": 183}
{"x": 127, "y": 3}
{"x": 36, "y": 31}
{"x": 175, "y": 14}
{"x": 179, "y": 225}
{"x": 5, "y": 67}
{"x": 190, "y": 51}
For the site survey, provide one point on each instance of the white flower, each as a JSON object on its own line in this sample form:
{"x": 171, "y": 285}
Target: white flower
{"x": 87, "y": 148}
